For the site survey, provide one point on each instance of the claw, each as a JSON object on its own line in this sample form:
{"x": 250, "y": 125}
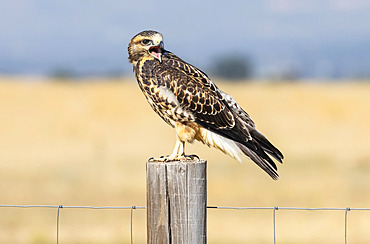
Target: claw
{"x": 153, "y": 159}
{"x": 192, "y": 156}
{"x": 185, "y": 157}
{"x": 161, "y": 159}
{"x": 168, "y": 158}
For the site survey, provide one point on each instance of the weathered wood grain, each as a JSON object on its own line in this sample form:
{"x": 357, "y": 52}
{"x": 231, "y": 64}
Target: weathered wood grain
{"x": 176, "y": 202}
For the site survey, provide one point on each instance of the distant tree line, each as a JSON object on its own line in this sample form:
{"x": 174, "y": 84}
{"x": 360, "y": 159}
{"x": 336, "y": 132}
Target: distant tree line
{"x": 232, "y": 67}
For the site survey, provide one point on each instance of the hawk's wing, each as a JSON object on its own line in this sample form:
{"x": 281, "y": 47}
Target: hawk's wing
{"x": 201, "y": 78}
{"x": 215, "y": 110}
{"x": 197, "y": 94}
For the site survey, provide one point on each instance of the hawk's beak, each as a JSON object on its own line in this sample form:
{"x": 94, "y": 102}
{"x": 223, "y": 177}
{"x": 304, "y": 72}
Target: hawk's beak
{"x": 156, "y": 51}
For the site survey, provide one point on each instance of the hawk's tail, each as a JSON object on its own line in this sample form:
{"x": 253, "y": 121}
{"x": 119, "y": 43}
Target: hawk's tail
{"x": 256, "y": 150}
{"x": 266, "y": 145}
{"x": 225, "y": 145}
{"x": 261, "y": 159}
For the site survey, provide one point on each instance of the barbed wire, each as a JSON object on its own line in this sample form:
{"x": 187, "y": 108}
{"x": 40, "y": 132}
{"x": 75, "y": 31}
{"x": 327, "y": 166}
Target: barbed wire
{"x": 132, "y": 208}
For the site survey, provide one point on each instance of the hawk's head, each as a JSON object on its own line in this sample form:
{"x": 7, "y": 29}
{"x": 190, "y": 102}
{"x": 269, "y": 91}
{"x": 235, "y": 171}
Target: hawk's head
{"x": 146, "y": 44}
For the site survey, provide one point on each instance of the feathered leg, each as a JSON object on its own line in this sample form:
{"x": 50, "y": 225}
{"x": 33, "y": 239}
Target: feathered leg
{"x": 183, "y": 133}
{"x": 178, "y": 151}
{"x": 177, "y": 154}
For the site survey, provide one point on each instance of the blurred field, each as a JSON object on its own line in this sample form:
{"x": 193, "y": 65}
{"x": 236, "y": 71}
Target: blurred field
{"x": 86, "y": 143}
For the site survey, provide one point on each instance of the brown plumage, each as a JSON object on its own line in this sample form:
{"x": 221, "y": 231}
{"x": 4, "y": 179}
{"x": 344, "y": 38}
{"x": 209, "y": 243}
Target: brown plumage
{"x": 189, "y": 101}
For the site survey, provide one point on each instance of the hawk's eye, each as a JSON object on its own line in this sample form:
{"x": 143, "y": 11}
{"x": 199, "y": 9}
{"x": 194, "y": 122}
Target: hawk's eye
{"x": 146, "y": 42}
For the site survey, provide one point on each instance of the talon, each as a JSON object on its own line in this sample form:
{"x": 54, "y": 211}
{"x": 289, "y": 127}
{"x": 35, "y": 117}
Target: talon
{"x": 154, "y": 159}
{"x": 192, "y": 156}
{"x": 160, "y": 159}
{"x": 170, "y": 158}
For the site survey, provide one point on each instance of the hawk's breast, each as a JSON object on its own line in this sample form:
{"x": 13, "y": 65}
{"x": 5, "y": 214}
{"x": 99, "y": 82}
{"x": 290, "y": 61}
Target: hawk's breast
{"x": 160, "y": 94}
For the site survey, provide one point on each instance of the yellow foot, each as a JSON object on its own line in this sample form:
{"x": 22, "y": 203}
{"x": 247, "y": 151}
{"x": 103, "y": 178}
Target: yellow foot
{"x": 168, "y": 158}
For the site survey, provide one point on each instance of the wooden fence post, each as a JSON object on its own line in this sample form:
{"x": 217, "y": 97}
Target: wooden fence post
{"x": 176, "y": 202}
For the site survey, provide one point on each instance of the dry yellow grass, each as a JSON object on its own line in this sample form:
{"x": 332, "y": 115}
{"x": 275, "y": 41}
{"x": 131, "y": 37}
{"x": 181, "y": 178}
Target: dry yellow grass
{"x": 87, "y": 143}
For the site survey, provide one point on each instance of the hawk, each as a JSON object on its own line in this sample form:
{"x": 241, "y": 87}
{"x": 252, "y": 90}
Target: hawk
{"x": 186, "y": 99}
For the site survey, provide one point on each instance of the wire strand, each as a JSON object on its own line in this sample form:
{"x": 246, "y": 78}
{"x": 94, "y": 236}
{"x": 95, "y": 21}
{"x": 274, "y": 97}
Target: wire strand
{"x": 132, "y": 208}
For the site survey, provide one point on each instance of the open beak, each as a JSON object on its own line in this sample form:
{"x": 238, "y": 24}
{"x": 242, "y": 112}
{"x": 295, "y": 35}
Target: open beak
{"x": 156, "y": 51}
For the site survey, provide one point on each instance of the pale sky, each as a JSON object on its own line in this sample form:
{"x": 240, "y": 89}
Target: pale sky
{"x": 315, "y": 37}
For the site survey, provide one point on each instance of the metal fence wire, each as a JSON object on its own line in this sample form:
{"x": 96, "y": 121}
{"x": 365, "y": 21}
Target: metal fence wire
{"x": 132, "y": 208}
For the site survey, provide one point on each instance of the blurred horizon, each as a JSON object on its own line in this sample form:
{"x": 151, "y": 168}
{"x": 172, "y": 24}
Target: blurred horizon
{"x": 277, "y": 39}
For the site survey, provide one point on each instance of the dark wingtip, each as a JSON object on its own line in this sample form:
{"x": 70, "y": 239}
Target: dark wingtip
{"x": 261, "y": 159}
{"x": 275, "y": 177}
{"x": 267, "y": 146}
